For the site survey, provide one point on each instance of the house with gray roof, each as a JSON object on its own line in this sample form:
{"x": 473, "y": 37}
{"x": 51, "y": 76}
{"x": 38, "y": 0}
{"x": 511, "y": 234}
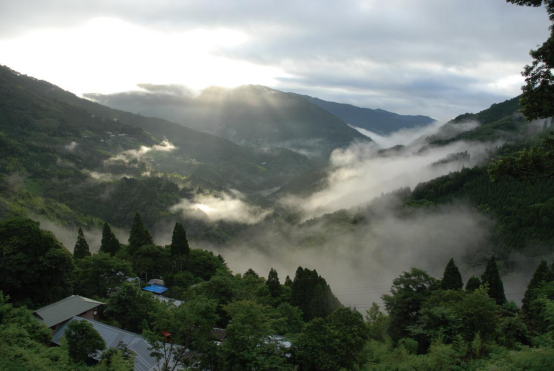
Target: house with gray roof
{"x": 55, "y": 314}
{"x": 112, "y": 336}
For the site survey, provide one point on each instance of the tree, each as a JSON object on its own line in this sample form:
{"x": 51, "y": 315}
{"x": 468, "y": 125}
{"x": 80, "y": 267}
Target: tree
{"x": 250, "y": 273}
{"x": 538, "y": 91}
{"x": 35, "y": 268}
{"x": 542, "y": 274}
{"x": 179, "y": 244}
{"x": 191, "y": 328}
{"x": 377, "y": 322}
{"x": 83, "y": 340}
{"x": 248, "y": 344}
{"x": 491, "y": 278}
{"x": 274, "y": 284}
{"x": 349, "y": 329}
{"x": 139, "y": 235}
{"x": 151, "y": 261}
{"x": 289, "y": 321}
{"x": 408, "y": 292}
{"x": 81, "y": 249}
{"x": 528, "y": 165}
{"x": 98, "y": 274}
{"x": 315, "y": 348}
{"x": 473, "y": 284}
{"x": 110, "y": 243}
{"x": 131, "y": 307}
{"x": 478, "y": 313}
{"x": 452, "y": 279}
{"x": 312, "y": 294}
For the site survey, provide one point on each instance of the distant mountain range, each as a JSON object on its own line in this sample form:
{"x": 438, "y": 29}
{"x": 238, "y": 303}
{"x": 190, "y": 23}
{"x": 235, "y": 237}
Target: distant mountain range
{"x": 376, "y": 120}
{"x": 250, "y": 115}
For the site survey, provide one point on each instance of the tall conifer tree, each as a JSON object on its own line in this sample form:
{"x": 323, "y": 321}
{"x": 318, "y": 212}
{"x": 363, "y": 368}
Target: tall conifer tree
{"x": 110, "y": 244}
{"x": 179, "y": 244}
{"x": 273, "y": 283}
{"x": 452, "y": 279}
{"x": 139, "y": 235}
{"x": 492, "y": 278}
{"x": 541, "y": 274}
{"x": 81, "y": 249}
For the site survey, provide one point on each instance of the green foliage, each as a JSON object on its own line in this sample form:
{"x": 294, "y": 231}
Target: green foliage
{"x": 179, "y": 244}
{"x": 452, "y": 279}
{"x": 527, "y": 165}
{"x": 542, "y": 274}
{"x": 349, "y": 330}
{"x": 477, "y": 311}
{"x": 110, "y": 243}
{"x": 408, "y": 293}
{"x": 274, "y": 284}
{"x": 250, "y": 273}
{"x": 83, "y": 341}
{"x": 99, "y": 274}
{"x": 473, "y": 284}
{"x": 35, "y": 269}
{"x": 492, "y": 279}
{"x": 139, "y": 235}
{"x": 151, "y": 261}
{"x": 290, "y": 320}
{"x": 535, "y": 313}
{"x": 190, "y": 326}
{"x": 312, "y": 294}
{"x": 315, "y": 347}
{"x": 248, "y": 344}
{"x": 81, "y": 249}
{"x": 203, "y": 264}
{"x": 377, "y": 322}
{"x": 131, "y": 307}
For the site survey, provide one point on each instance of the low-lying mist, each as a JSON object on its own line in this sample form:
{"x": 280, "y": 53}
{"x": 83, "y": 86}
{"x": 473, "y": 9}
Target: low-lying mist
{"x": 358, "y": 174}
{"x": 360, "y": 261}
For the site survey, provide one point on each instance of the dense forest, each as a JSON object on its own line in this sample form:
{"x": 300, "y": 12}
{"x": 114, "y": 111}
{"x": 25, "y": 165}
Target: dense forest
{"x": 427, "y": 323}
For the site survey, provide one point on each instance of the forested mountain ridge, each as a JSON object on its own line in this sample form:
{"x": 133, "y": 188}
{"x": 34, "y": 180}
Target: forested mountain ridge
{"x": 63, "y": 159}
{"x": 501, "y": 121}
{"x": 250, "y": 115}
{"x": 241, "y": 167}
{"x": 375, "y": 120}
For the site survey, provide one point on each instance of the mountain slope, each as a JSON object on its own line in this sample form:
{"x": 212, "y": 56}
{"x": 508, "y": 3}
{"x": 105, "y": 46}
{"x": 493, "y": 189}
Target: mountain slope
{"x": 251, "y": 115}
{"x": 30, "y": 103}
{"x": 501, "y": 121}
{"x": 375, "y": 120}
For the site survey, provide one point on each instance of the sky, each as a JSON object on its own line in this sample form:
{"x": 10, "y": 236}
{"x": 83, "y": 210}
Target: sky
{"x": 430, "y": 57}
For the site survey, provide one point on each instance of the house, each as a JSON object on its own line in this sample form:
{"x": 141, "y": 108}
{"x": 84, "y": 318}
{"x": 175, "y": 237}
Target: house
{"x": 156, "y": 281}
{"x": 113, "y": 336}
{"x": 155, "y": 289}
{"x": 56, "y": 314}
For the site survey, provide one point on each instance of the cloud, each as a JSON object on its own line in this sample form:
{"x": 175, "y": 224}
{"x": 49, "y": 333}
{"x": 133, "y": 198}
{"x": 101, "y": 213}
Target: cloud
{"x": 358, "y": 173}
{"x": 164, "y": 146}
{"x": 227, "y": 207}
{"x": 432, "y": 57}
{"x": 71, "y": 146}
{"x": 360, "y": 262}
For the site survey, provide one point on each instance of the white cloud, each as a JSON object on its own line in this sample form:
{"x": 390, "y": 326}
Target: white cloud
{"x": 227, "y": 207}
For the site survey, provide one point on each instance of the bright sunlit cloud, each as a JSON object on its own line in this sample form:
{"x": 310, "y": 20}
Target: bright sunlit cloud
{"x": 108, "y": 55}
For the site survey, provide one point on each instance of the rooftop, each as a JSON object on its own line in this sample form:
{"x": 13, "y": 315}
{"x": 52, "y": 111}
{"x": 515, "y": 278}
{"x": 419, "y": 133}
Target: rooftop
{"x": 156, "y": 289}
{"x": 112, "y": 336}
{"x": 65, "y": 309}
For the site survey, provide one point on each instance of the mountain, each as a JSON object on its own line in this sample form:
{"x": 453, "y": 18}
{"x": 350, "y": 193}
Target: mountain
{"x": 501, "y": 121}
{"x": 376, "y": 120}
{"x": 250, "y": 115}
{"x": 77, "y": 162}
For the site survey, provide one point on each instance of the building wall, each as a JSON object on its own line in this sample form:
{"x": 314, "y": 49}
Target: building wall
{"x": 90, "y": 314}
